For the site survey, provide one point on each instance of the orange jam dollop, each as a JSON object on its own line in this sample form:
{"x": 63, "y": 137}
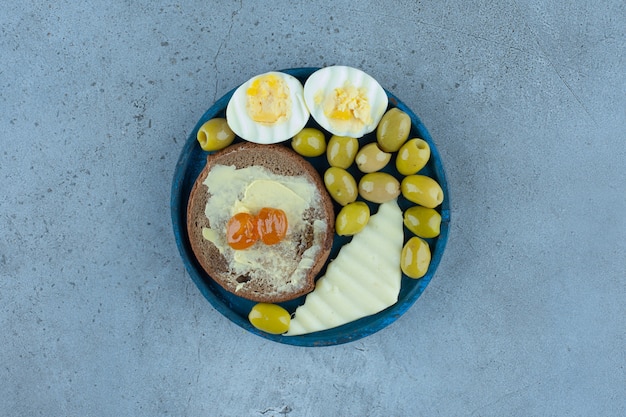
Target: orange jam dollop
{"x": 241, "y": 231}
{"x": 272, "y": 225}
{"x": 244, "y": 230}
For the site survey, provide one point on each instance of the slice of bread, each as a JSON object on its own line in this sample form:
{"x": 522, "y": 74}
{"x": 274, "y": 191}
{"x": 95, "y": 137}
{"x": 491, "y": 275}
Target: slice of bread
{"x": 270, "y": 282}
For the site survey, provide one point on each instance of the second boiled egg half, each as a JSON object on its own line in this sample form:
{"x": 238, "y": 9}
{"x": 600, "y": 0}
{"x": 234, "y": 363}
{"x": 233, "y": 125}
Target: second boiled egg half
{"x": 268, "y": 108}
{"x": 345, "y": 101}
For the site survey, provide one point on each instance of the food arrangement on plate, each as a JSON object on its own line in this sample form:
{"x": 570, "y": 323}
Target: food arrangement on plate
{"x": 315, "y": 208}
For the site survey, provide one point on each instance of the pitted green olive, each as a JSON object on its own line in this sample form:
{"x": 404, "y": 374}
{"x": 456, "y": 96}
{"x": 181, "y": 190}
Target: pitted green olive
{"x": 415, "y": 258}
{"x": 341, "y": 151}
{"x": 371, "y": 158}
{"x": 309, "y": 142}
{"x": 412, "y": 156}
{"x": 214, "y": 135}
{"x": 341, "y": 185}
{"x": 352, "y": 218}
{"x": 379, "y": 187}
{"x": 270, "y": 318}
{"x": 422, "y": 190}
{"x": 393, "y": 130}
{"x": 423, "y": 221}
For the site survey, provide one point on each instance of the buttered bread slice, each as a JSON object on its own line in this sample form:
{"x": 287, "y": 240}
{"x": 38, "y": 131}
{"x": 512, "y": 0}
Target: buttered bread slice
{"x": 363, "y": 280}
{"x": 247, "y": 177}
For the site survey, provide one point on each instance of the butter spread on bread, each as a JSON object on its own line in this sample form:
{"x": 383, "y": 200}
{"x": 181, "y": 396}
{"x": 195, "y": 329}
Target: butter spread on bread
{"x": 246, "y": 177}
{"x": 248, "y": 190}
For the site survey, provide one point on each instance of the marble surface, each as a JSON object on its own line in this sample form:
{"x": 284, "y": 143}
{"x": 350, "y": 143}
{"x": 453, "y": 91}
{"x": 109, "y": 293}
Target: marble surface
{"x": 526, "y": 315}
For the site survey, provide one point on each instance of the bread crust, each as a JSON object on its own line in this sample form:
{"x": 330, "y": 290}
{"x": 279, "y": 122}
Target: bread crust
{"x": 279, "y": 160}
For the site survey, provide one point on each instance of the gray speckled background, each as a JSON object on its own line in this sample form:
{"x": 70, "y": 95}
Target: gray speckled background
{"x": 526, "y": 315}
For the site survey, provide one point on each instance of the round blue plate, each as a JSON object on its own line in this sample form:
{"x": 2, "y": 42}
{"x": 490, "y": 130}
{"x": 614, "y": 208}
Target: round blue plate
{"x": 193, "y": 159}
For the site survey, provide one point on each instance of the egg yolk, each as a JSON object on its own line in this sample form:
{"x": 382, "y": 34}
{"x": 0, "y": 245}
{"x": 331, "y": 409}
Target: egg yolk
{"x": 269, "y": 101}
{"x": 348, "y": 106}
{"x": 244, "y": 230}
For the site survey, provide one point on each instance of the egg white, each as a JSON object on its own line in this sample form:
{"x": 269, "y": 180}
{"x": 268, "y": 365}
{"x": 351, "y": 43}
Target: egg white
{"x": 324, "y": 81}
{"x": 246, "y": 128}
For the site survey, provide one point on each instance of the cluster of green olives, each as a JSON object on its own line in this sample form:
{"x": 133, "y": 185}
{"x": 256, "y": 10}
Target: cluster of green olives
{"x": 376, "y": 186}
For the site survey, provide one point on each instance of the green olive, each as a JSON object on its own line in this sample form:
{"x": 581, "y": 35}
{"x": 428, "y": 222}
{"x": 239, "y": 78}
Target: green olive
{"x": 215, "y": 134}
{"x": 309, "y": 142}
{"x": 423, "y": 221}
{"x": 352, "y": 218}
{"x": 393, "y": 130}
{"x": 341, "y": 185}
{"x": 422, "y": 190}
{"x": 341, "y": 151}
{"x": 371, "y": 159}
{"x": 270, "y": 318}
{"x": 412, "y": 156}
{"x": 415, "y": 258}
{"x": 379, "y": 187}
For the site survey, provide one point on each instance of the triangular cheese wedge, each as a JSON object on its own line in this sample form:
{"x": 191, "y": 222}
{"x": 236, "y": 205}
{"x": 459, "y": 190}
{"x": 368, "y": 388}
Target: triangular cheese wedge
{"x": 363, "y": 280}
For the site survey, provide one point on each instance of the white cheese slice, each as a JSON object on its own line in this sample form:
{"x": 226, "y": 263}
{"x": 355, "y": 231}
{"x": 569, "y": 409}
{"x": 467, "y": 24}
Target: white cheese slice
{"x": 363, "y": 280}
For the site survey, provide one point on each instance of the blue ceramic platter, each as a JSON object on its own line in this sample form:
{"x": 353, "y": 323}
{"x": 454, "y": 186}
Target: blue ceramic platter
{"x": 193, "y": 159}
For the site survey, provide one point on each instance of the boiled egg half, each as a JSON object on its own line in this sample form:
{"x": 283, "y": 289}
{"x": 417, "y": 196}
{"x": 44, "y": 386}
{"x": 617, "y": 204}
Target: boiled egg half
{"x": 345, "y": 101}
{"x": 268, "y": 108}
